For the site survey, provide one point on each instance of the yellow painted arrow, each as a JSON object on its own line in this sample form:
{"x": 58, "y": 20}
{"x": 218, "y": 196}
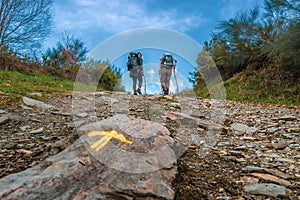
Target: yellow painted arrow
{"x": 107, "y": 136}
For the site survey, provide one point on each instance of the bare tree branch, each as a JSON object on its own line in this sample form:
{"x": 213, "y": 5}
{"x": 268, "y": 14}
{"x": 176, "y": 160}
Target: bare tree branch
{"x": 24, "y": 23}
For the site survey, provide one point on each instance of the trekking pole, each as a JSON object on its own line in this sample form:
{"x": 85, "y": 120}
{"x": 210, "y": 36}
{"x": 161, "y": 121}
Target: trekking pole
{"x": 145, "y": 90}
{"x": 176, "y": 82}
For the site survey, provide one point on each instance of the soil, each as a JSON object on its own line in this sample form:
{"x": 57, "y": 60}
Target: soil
{"x": 32, "y": 134}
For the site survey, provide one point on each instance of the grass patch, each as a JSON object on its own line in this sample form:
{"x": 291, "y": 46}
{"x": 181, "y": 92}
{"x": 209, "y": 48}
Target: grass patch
{"x": 263, "y": 87}
{"x": 267, "y": 86}
{"x": 14, "y": 85}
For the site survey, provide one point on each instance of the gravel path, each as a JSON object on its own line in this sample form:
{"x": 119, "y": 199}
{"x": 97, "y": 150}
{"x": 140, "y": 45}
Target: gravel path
{"x": 226, "y": 150}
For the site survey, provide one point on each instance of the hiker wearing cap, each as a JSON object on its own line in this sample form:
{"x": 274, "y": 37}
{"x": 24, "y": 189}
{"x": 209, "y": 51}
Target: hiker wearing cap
{"x": 167, "y": 63}
{"x": 135, "y": 60}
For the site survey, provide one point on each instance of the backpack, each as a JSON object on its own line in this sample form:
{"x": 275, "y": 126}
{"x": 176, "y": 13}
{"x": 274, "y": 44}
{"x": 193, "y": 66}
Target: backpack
{"x": 132, "y": 61}
{"x": 167, "y": 60}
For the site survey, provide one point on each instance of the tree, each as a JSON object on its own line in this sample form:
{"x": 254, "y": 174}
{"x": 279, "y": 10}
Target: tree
{"x": 100, "y": 74}
{"x": 284, "y": 18}
{"x": 265, "y": 41}
{"x": 24, "y": 23}
{"x": 286, "y": 50}
{"x": 240, "y": 40}
{"x": 258, "y": 40}
{"x": 110, "y": 80}
{"x": 66, "y": 57}
{"x": 282, "y": 11}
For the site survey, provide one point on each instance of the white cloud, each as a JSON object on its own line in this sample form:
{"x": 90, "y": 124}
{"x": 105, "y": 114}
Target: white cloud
{"x": 151, "y": 72}
{"x": 116, "y": 16}
{"x": 85, "y": 2}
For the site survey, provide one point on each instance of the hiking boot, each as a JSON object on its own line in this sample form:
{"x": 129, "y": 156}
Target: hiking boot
{"x": 139, "y": 91}
{"x": 135, "y": 92}
{"x": 166, "y": 92}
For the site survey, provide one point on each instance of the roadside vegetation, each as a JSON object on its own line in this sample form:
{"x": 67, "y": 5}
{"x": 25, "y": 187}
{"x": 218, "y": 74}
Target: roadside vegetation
{"x": 257, "y": 53}
{"x": 14, "y": 85}
{"x": 25, "y": 68}
{"x": 56, "y": 73}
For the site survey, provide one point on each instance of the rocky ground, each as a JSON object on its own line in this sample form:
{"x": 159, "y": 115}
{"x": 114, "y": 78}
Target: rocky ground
{"x": 226, "y": 150}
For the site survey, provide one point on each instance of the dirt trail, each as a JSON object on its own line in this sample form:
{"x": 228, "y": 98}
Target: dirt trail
{"x": 232, "y": 150}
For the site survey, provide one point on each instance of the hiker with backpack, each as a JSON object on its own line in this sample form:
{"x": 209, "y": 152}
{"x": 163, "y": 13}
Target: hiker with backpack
{"x": 135, "y": 66}
{"x": 167, "y": 63}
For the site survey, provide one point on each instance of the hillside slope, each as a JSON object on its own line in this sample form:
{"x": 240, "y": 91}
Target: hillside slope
{"x": 267, "y": 86}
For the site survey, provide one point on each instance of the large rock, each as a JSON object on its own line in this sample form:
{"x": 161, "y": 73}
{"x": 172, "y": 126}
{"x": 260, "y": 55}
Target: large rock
{"x": 4, "y": 119}
{"x": 143, "y": 169}
{"x": 37, "y": 103}
{"x": 268, "y": 189}
{"x": 243, "y": 128}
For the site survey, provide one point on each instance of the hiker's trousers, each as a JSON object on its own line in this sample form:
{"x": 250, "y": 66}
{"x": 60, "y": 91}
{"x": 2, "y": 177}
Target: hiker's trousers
{"x": 165, "y": 76}
{"x": 137, "y": 76}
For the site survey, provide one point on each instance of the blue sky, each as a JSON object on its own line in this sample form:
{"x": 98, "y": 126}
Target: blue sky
{"x": 94, "y": 21}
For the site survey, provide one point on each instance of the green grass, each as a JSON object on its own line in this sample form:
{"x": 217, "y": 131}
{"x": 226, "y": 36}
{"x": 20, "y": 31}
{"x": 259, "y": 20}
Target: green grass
{"x": 264, "y": 87}
{"x": 14, "y": 85}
